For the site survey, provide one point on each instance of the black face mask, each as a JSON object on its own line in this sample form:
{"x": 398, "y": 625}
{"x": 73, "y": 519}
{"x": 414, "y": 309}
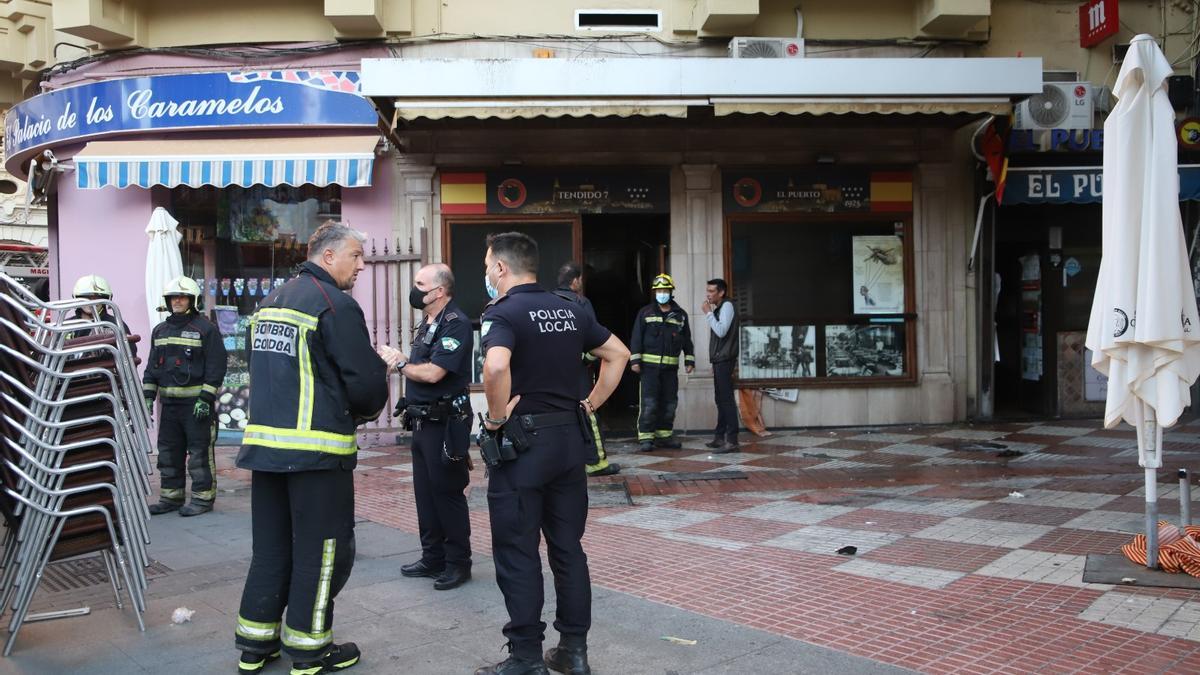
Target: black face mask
{"x": 416, "y": 298}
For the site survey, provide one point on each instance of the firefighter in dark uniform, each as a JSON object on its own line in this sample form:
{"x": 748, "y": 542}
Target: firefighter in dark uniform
{"x": 314, "y": 378}
{"x": 570, "y": 288}
{"x": 536, "y": 448}
{"x": 660, "y": 332}
{"x": 185, "y": 368}
{"x": 437, "y": 409}
{"x": 95, "y": 287}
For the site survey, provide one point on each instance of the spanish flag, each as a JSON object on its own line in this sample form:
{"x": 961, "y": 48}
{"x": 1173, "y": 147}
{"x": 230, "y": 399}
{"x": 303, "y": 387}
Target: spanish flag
{"x": 991, "y": 146}
{"x": 464, "y": 194}
{"x": 891, "y": 191}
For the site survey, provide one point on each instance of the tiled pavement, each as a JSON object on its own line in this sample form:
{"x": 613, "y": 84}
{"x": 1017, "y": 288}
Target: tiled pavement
{"x": 966, "y": 561}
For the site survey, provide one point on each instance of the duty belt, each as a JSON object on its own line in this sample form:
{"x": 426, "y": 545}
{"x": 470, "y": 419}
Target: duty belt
{"x": 546, "y": 420}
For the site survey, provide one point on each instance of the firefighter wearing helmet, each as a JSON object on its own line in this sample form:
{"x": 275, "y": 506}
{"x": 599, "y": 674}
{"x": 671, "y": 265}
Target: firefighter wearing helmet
{"x": 95, "y": 287}
{"x": 660, "y": 332}
{"x": 185, "y": 368}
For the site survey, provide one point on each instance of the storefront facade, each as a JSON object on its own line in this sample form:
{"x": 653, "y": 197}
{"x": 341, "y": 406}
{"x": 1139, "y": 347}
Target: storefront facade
{"x": 248, "y": 162}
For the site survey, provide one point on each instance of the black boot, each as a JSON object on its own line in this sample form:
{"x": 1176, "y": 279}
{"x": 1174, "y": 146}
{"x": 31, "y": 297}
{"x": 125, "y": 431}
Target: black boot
{"x": 422, "y": 569}
{"x": 669, "y": 442}
{"x": 570, "y": 656}
{"x": 164, "y": 506}
{"x": 515, "y": 666}
{"x": 452, "y": 577}
{"x": 646, "y": 446}
{"x": 339, "y": 657}
{"x": 195, "y": 508}
{"x": 715, "y": 443}
{"x": 254, "y": 663}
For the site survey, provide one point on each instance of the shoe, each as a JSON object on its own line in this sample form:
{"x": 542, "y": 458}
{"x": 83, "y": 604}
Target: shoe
{"x": 452, "y": 577}
{"x": 339, "y": 657}
{"x": 646, "y": 446}
{"x": 670, "y": 442}
{"x": 195, "y": 509}
{"x": 569, "y": 657}
{"x": 422, "y": 569}
{"x": 726, "y": 448}
{"x": 254, "y": 663}
{"x": 610, "y": 470}
{"x": 714, "y": 443}
{"x": 515, "y": 666}
{"x": 164, "y": 506}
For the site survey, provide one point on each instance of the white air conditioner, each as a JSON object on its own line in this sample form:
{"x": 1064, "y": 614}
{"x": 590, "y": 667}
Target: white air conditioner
{"x": 766, "y": 48}
{"x": 1061, "y": 105}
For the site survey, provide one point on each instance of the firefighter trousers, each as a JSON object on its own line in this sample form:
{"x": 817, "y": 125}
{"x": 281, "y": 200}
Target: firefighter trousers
{"x": 185, "y": 446}
{"x": 303, "y": 550}
{"x": 659, "y": 397}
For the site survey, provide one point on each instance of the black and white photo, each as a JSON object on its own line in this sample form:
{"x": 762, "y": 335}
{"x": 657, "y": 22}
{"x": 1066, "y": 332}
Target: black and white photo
{"x": 777, "y": 352}
{"x": 874, "y": 350}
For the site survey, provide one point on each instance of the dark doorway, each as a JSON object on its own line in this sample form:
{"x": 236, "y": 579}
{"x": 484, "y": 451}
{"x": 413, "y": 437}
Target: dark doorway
{"x": 621, "y": 255}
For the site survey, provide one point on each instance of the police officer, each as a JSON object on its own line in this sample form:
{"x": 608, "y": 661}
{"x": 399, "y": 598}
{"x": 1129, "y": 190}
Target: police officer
{"x": 95, "y": 287}
{"x": 660, "y": 332}
{"x": 437, "y": 409}
{"x": 185, "y": 367}
{"x": 570, "y": 287}
{"x": 314, "y": 378}
{"x": 531, "y": 373}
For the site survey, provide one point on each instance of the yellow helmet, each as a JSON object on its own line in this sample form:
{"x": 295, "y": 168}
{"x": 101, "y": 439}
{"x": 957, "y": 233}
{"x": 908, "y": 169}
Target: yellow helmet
{"x": 92, "y": 286}
{"x": 663, "y": 281}
{"x": 182, "y": 286}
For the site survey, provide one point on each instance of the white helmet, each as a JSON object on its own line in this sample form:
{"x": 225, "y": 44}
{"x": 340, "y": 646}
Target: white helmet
{"x": 185, "y": 286}
{"x": 92, "y": 286}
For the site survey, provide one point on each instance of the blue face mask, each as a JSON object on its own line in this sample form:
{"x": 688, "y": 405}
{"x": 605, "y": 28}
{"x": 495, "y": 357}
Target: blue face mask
{"x": 491, "y": 289}
{"x": 662, "y": 297}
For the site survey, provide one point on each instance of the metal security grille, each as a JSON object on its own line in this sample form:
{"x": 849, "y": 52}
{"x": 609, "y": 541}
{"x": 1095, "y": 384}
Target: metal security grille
{"x": 71, "y": 575}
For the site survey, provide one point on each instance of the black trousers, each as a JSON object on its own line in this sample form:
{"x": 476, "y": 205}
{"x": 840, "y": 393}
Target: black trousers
{"x": 303, "y": 526}
{"x": 543, "y": 491}
{"x": 185, "y": 446}
{"x": 438, "y": 484}
{"x": 660, "y": 397}
{"x": 727, "y": 412}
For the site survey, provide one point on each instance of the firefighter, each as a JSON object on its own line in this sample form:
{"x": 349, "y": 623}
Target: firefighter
{"x": 314, "y": 378}
{"x": 185, "y": 368}
{"x": 660, "y": 333}
{"x": 95, "y": 287}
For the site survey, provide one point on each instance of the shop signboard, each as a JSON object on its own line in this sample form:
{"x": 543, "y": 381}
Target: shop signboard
{"x": 1077, "y": 185}
{"x": 552, "y": 191}
{"x": 269, "y": 98}
{"x": 817, "y": 190}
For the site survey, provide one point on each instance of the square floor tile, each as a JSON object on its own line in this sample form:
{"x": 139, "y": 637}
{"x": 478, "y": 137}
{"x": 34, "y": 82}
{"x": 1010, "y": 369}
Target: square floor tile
{"x": 1107, "y": 521}
{"x": 942, "y": 555}
{"x": 917, "y": 450}
{"x": 984, "y": 532}
{"x": 823, "y": 453}
{"x": 737, "y": 528}
{"x": 873, "y": 520}
{"x": 923, "y": 577}
{"x": 659, "y": 518}
{"x": 932, "y": 507}
{"x": 1080, "y": 542}
{"x": 818, "y": 539}
{"x": 1065, "y": 498}
{"x": 794, "y": 512}
{"x": 1039, "y": 567}
{"x": 1018, "y": 512}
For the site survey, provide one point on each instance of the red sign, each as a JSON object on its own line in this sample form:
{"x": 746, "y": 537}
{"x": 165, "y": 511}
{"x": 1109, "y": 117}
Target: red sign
{"x": 1098, "y": 21}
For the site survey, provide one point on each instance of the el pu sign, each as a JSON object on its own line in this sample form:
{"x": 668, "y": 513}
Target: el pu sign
{"x": 1055, "y": 140}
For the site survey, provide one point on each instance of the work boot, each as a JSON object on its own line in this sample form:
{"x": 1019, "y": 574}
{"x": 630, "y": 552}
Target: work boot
{"x": 570, "y": 656}
{"x": 670, "y": 442}
{"x": 339, "y": 657}
{"x": 164, "y": 506}
{"x": 453, "y": 577}
{"x": 645, "y": 446}
{"x": 515, "y": 666}
{"x": 611, "y": 470}
{"x": 195, "y": 508}
{"x": 422, "y": 569}
{"x": 254, "y": 663}
{"x": 714, "y": 443}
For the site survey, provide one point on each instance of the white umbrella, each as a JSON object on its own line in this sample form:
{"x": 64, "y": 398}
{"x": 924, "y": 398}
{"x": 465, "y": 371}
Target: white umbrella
{"x": 1143, "y": 330}
{"x": 163, "y": 261}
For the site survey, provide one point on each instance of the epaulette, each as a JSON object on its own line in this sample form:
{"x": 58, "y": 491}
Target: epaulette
{"x": 495, "y": 300}
{"x": 452, "y": 316}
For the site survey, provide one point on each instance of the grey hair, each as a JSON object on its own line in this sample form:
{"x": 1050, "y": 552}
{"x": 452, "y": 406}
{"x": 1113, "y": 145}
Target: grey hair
{"x": 445, "y": 278}
{"x": 333, "y": 235}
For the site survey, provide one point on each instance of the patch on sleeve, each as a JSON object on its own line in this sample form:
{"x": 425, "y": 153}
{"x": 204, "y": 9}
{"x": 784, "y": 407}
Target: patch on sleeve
{"x": 484, "y": 328}
{"x": 450, "y": 344}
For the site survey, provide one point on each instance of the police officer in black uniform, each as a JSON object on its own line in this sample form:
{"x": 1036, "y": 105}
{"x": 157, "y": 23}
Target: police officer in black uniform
{"x": 532, "y": 341}
{"x": 437, "y": 409}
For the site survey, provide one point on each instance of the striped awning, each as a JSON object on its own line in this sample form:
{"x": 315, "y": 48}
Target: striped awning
{"x": 320, "y": 161}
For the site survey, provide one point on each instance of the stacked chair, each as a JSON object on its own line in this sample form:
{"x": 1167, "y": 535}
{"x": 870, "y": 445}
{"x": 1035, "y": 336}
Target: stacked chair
{"x": 74, "y": 449}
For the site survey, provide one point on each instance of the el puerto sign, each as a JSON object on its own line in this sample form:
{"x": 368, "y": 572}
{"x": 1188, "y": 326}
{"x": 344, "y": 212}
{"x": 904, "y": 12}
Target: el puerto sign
{"x": 265, "y": 98}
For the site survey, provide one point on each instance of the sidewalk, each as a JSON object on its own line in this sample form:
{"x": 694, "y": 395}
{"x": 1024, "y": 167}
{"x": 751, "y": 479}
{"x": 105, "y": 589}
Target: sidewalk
{"x": 970, "y": 547}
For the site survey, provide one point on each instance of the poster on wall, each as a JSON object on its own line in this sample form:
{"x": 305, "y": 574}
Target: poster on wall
{"x": 874, "y": 350}
{"x": 878, "y": 266}
{"x": 777, "y": 352}
{"x": 822, "y": 190}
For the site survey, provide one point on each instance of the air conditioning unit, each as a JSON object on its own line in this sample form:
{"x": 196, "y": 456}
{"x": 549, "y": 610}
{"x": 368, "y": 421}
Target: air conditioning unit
{"x": 1061, "y": 105}
{"x": 766, "y": 48}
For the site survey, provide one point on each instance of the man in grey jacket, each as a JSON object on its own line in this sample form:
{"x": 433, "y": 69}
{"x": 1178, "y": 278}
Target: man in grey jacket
{"x": 722, "y": 320}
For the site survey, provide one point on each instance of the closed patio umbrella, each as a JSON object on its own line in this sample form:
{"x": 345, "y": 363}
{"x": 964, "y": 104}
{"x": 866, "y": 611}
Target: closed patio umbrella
{"x": 163, "y": 260}
{"x": 1143, "y": 330}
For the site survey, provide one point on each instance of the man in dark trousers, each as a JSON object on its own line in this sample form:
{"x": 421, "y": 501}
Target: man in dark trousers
{"x": 437, "y": 409}
{"x": 722, "y": 320}
{"x": 314, "y": 378}
{"x": 185, "y": 368}
{"x": 660, "y": 333}
{"x": 570, "y": 287}
{"x": 531, "y": 373}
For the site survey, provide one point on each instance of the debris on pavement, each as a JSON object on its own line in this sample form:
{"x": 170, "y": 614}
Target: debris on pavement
{"x": 678, "y": 641}
{"x": 182, "y": 615}
{"x": 1016, "y": 495}
{"x": 1129, "y": 580}
{"x": 847, "y": 550}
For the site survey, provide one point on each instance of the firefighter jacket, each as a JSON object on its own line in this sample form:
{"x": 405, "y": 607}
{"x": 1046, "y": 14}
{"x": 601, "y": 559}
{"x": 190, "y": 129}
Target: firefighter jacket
{"x": 659, "y": 336}
{"x": 314, "y": 377}
{"x": 186, "y": 362}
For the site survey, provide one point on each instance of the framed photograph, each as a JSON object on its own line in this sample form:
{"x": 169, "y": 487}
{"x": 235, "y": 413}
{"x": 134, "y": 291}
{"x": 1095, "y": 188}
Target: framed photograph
{"x": 871, "y": 350}
{"x": 777, "y": 352}
{"x": 878, "y": 266}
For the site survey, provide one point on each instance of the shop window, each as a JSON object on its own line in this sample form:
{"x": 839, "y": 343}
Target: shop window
{"x": 823, "y": 298}
{"x": 239, "y": 244}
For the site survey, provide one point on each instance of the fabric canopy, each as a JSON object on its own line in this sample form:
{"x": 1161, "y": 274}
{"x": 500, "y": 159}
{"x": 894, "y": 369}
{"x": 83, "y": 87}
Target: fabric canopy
{"x": 320, "y": 161}
{"x": 862, "y": 106}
